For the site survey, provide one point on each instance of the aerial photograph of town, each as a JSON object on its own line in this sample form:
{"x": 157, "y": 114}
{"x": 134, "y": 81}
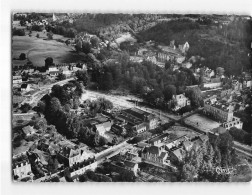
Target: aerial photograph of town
{"x": 137, "y": 97}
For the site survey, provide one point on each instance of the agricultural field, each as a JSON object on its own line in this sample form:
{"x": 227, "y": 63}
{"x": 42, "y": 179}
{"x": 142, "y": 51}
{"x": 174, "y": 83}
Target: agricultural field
{"x": 38, "y": 49}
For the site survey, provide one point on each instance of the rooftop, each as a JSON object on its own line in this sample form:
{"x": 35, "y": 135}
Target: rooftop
{"x": 129, "y": 164}
{"x": 159, "y": 137}
{"x": 222, "y": 105}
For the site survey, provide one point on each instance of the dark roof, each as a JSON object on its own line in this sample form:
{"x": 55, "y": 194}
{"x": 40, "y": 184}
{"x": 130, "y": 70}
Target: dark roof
{"x": 19, "y": 160}
{"x": 159, "y": 137}
{"x": 129, "y": 164}
{"x": 162, "y": 155}
{"x": 51, "y": 72}
{"x": 153, "y": 149}
{"x": 137, "y": 113}
{"x": 203, "y": 137}
{"x": 24, "y": 85}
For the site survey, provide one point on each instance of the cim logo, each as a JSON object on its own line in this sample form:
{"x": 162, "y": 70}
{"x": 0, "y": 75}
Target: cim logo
{"x": 225, "y": 171}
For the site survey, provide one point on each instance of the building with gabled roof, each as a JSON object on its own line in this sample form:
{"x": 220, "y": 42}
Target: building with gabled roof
{"x": 25, "y": 87}
{"x": 28, "y": 130}
{"x": 104, "y": 127}
{"x": 21, "y": 166}
{"x": 71, "y": 155}
{"x": 156, "y": 155}
{"x": 131, "y": 166}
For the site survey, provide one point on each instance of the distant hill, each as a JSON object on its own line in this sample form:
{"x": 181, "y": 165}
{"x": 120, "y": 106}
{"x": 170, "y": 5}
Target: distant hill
{"x": 227, "y": 46}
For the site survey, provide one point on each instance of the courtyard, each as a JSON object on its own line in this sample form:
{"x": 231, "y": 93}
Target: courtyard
{"x": 201, "y": 122}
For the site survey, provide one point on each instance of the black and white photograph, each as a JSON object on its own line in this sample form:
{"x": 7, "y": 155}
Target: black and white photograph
{"x": 141, "y": 96}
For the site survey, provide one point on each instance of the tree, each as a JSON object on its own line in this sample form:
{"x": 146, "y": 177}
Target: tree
{"x": 22, "y": 56}
{"x": 220, "y": 71}
{"x": 25, "y": 108}
{"x": 78, "y": 46}
{"x": 52, "y": 164}
{"x": 107, "y": 81}
{"x": 82, "y": 75}
{"x": 138, "y": 85}
{"x": 18, "y": 32}
{"x": 188, "y": 173}
{"x": 41, "y": 106}
{"x": 102, "y": 141}
{"x": 54, "y": 106}
{"x": 86, "y": 47}
{"x": 55, "y": 179}
{"x": 60, "y": 93}
{"x": 240, "y": 135}
{"x": 169, "y": 91}
{"x": 194, "y": 94}
{"x": 61, "y": 76}
{"x": 67, "y": 175}
{"x": 155, "y": 97}
{"x": 225, "y": 144}
{"x": 76, "y": 103}
{"x": 97, "y": 139}
{"x": 83, "y": 178}
{"x": 50, "y": 35}
{"x": 104, "y": 104}
{"x": 73, "y": 125}
{"x": 127, "y": 176}
{"x": 167, "y": 65}
{"x": 71, "y": 33}
{"x": 40, "y": 124}
{"x": 36, "y": 28}
{"x": 94, "y": 41}
{"x": 48, "y": 62}
{"x": 67, "y": 107}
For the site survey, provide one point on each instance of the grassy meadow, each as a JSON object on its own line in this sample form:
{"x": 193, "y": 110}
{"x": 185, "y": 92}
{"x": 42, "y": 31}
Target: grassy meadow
{"x": 38, "y": 49}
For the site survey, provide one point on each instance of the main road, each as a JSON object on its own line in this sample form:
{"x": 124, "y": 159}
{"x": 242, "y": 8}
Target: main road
{"x": 124, "y": 102}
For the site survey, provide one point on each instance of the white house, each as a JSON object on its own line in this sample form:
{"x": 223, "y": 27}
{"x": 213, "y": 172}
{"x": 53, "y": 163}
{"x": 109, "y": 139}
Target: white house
{"x": 180, "y": 101}
{"x": 25, "y": 87}
{"x": 21, "y": 166}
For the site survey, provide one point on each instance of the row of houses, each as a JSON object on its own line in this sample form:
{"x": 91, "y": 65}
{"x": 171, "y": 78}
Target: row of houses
{"x": 168, "y": 153}
{"x": 67, "y": 70}
{"x": 162, "y": 151}
{"x": 161, "y": 54}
